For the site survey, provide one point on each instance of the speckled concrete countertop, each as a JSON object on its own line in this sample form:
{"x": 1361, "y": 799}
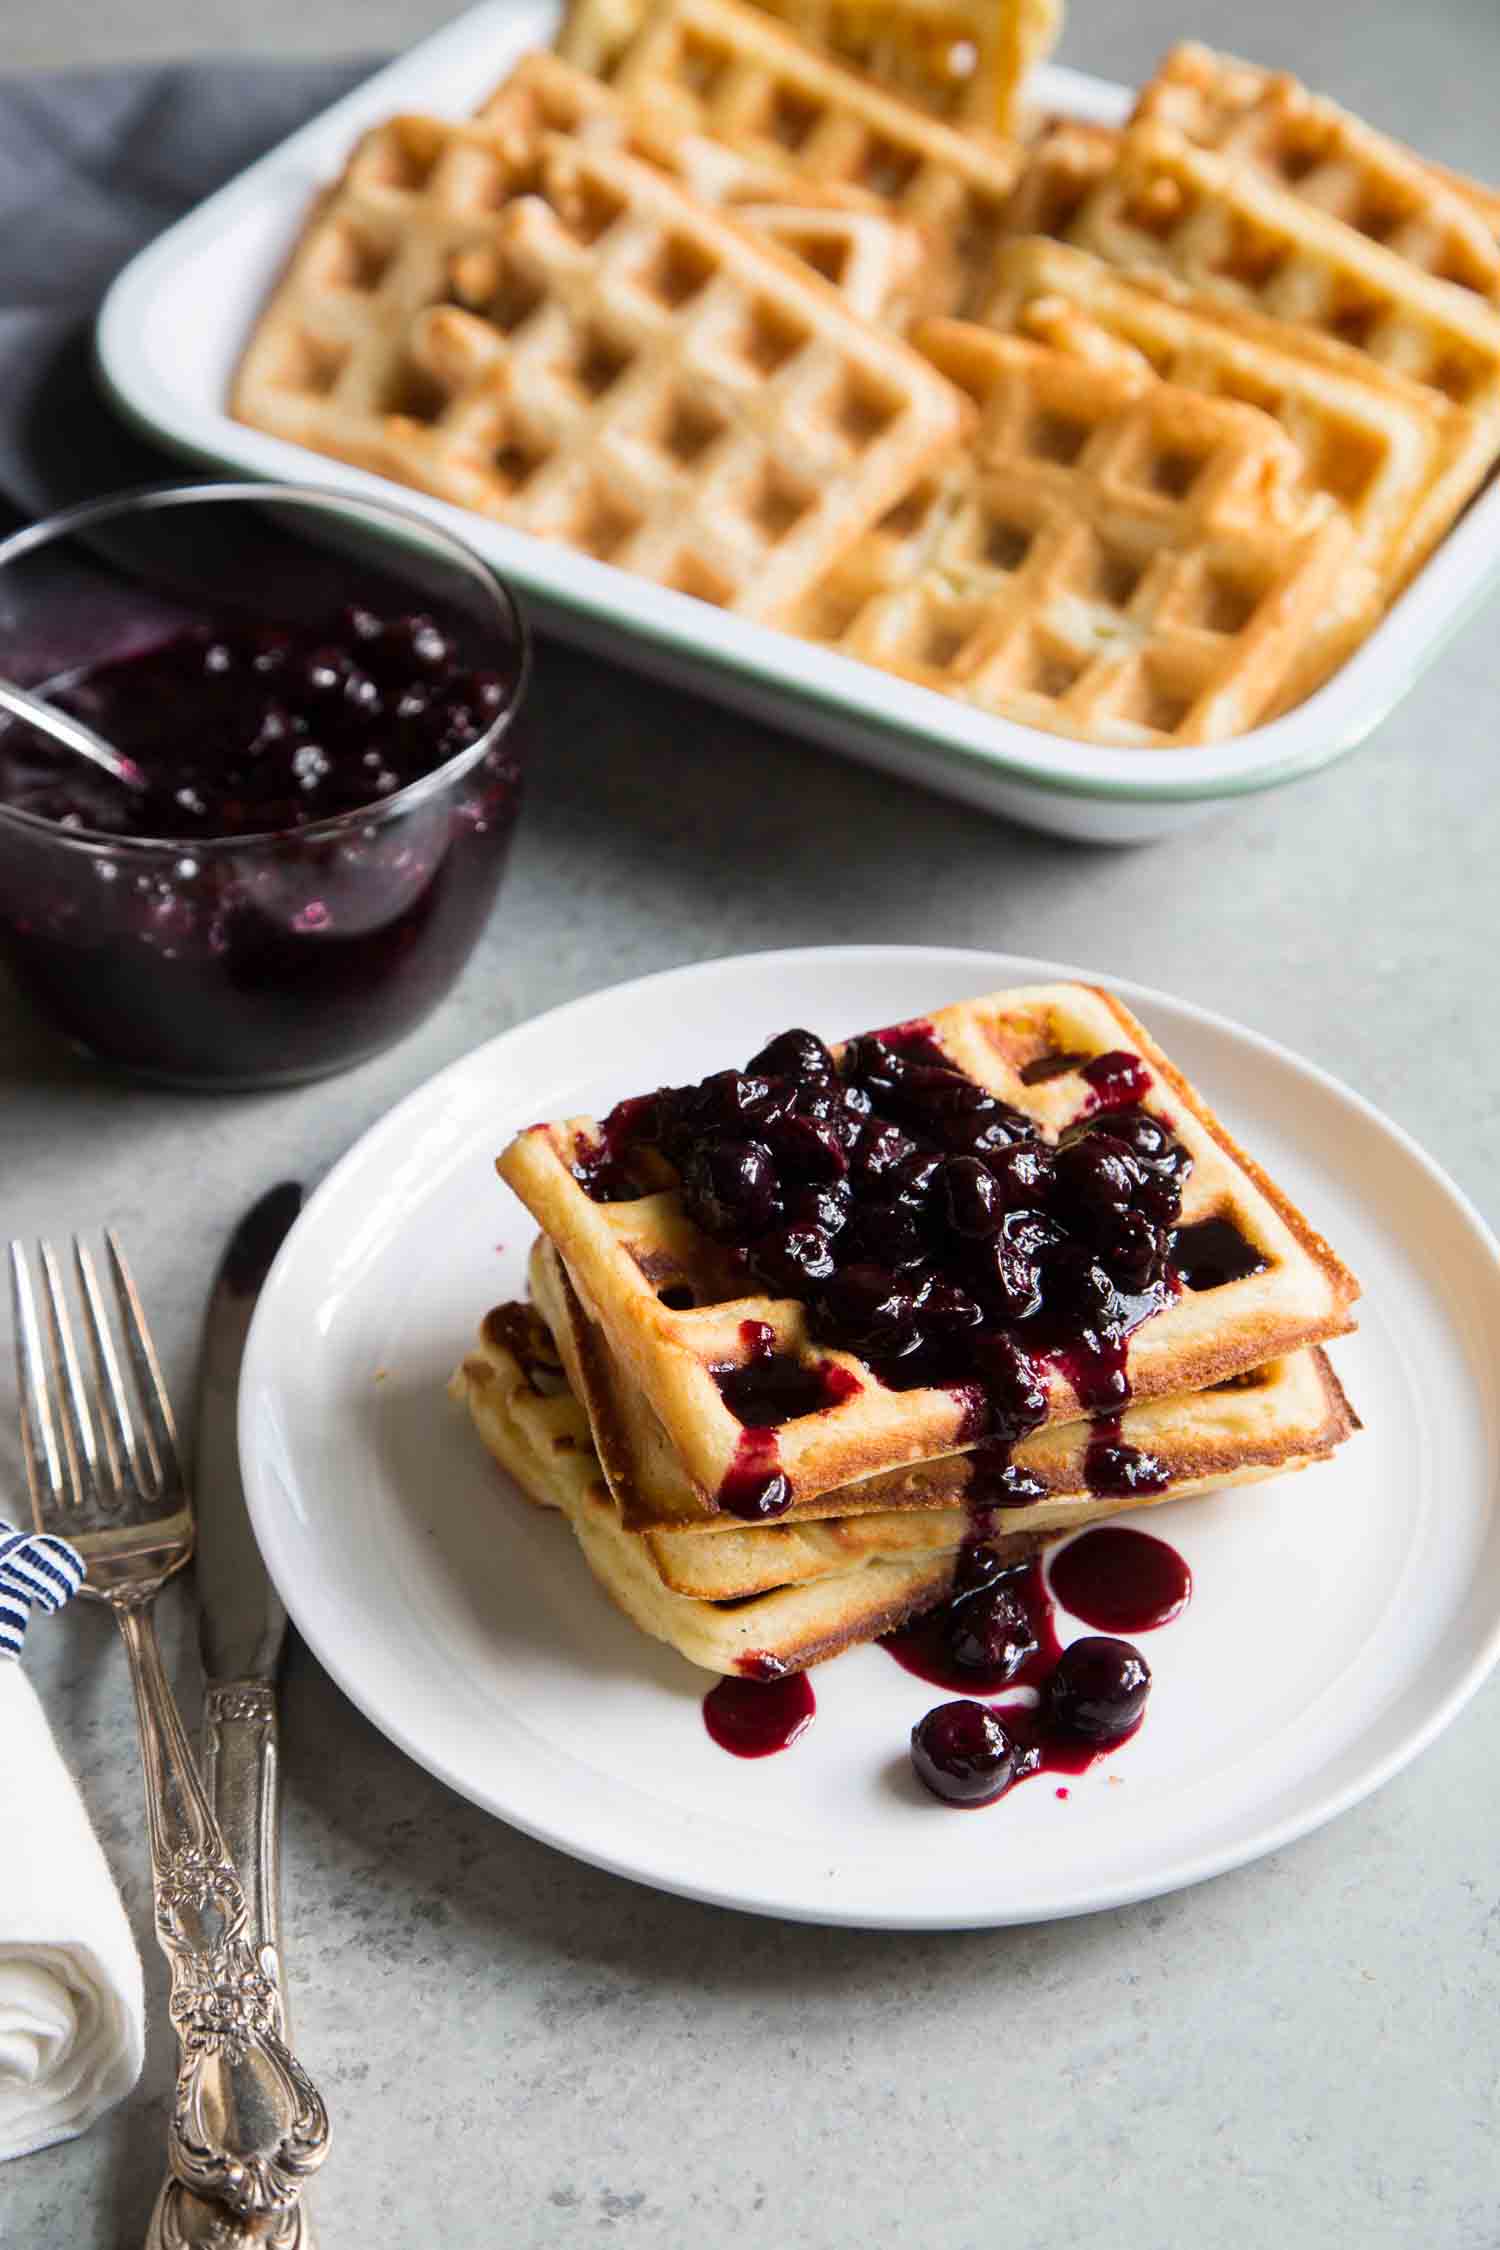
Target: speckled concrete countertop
{"x": 523, "y": 2051}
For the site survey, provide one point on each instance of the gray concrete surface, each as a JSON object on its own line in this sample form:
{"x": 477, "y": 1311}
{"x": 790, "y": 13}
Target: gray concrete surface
{"x": 521, "y": 2051}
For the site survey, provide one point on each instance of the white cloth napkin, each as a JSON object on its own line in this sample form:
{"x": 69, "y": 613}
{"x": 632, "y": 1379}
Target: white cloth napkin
{"x": 72, "y": 2026}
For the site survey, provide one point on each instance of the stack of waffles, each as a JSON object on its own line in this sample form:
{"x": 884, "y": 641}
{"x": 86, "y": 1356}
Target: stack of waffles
{"x": 760, "y": 1488}
{"x": 1128, "y": 435}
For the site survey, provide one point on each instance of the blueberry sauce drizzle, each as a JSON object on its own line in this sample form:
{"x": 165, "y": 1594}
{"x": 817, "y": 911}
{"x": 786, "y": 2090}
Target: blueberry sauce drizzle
{"x": 1113, "y": 1470}
{"x": 929, "y": 1228}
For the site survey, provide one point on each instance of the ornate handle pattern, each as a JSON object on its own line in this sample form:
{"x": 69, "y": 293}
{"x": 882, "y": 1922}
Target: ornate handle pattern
{"x": 248, "y": 2125}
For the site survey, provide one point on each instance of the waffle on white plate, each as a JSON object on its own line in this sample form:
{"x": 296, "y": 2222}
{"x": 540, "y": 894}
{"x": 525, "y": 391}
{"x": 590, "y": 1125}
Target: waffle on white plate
{"x": 963, "y": 60}
{"x": 1276, "y": 1417}
{"x": 553, "y": 333}
{"x": 779, "y": 1597}
{"x": 1111, "y": 557}
{"x": 682, "y": 1325}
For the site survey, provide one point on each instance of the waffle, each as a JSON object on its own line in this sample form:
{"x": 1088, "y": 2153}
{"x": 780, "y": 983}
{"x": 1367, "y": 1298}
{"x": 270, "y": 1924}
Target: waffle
{"x": 627, "y": 1258}
{"x": 1273, "y": 1419}
{"x": 779, "y": 1598}
{"x": 963, "y": 60}
{"x": 555, "y": 335}
{"x": 1113, "y": 558}
{"x": 1402, "y": 462}
{"x": 715, "y": 67}
{"x": 885, "y": 270}
{"x": 1225, "y": 229}
{"x": 1332, "y": 160}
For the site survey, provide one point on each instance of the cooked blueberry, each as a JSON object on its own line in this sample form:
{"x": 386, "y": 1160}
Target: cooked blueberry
{"x": 1095, "y": 1173}
{"x": 914, "y": 1179}
{"x": 1014, "y": 1387}
{"x": 825, "y": 1204}
{"x": 729, "y": 1187}
{"x": 868, "y": 1307}
{"x": 991, "y": 1631}
{"x": 889, "y": 1234}
{"x": 877, "y": 1152}
{"x": 1099, "y": 1689}
{"x": 793, "y": 1260}
{"x": 1005, "y": 1272}
{"x": 950, "y": 1310}
{"x": 806, "y": 1149}
{"x": 1079, "y": 1290}
{"x": 1023, "y": 1173}
{"x": 962, "y": 1753}
{"x": 794, "y": 1054}
{"x": 1133, "y": 1249}
{"x": 974, "y": 1202}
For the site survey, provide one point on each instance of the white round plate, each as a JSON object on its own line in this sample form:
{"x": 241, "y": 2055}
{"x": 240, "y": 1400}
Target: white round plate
{"x": 1340, "y": 1618}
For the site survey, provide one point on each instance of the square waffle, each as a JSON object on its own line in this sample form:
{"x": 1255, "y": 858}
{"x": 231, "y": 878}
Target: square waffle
{"x": 1402, "y": 462}
{"x": 1274, "y": 1418}
{"x": 1238, "y": 236}
{"x": 1332, "y": 160}
{"x": 885, "y": 270}
{"x": 555, "y": 335}
{"x": 1112, "y": 558}
{"x": 963, "y": 60}
{"x": 716, "y": 67}
{"x": 677, "y": 1321}
{"x": 781, "y": 1597}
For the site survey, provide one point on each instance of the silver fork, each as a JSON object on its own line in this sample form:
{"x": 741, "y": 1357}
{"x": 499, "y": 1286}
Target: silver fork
{"x": 248, "y": 2126}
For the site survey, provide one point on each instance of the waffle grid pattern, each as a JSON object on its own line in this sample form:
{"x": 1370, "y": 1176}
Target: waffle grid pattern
{"x": 1113, "y": 557}
{"x": 555, "y": 335}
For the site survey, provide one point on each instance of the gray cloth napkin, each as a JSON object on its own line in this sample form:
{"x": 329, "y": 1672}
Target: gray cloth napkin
{"x": 92, "y": 165}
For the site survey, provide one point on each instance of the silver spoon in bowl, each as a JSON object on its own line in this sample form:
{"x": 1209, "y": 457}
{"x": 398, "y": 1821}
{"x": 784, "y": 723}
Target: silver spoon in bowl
{"x": 71, "y": 733}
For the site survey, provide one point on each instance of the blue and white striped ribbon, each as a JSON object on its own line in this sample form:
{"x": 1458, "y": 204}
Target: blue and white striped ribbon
{"x": 36, "y": 1572}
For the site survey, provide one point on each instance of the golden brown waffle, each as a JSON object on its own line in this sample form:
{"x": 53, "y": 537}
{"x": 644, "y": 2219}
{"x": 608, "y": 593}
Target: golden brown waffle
{"x": 1401, "y": 461}
{"x": 1330, "y": 159}
{"x": 555, "y": 335}
{"x": 885, "y": 270}
{"x": 627, "y": 1258}
{"x": 1231, "y": 232}
{"x": 802, "y": 1594}
{"x": 963, "y": 60}
{"x": 715, "y": 67}
{"x": 1112, "y": 558}
{"x": 1274, "y": 1418}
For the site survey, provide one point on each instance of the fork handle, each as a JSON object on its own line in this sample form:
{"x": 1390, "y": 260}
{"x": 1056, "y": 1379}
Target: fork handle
{"x": 248, "y": 2125}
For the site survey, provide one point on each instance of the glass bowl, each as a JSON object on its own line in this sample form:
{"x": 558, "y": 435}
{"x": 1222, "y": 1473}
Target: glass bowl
{"x": 257, "y": 959}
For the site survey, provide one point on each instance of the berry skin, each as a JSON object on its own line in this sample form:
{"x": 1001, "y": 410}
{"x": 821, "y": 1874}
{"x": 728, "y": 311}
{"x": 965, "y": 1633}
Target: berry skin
{"x": 962, "y": 1753}
{"x": 991, "y": 1631}
{"x": 1099, "y": 1689}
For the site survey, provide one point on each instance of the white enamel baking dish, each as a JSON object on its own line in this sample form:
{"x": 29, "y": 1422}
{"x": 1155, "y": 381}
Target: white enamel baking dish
{"x": 172, "y": 327}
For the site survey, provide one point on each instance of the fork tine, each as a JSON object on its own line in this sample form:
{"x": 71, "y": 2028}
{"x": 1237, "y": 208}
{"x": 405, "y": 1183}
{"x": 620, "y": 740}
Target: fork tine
{"x": 120, "y": 1446}
{"x": 77, "y": 1423}
{"x": 148, "y": 1380}
{"x": 44, "y": 1461}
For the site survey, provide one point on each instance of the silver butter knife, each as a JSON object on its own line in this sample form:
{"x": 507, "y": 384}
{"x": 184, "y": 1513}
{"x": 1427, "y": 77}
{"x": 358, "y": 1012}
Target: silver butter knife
{"x": 241, "y": 1629}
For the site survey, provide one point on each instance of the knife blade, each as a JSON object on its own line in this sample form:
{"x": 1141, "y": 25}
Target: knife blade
{"x": 241, "y": 1629}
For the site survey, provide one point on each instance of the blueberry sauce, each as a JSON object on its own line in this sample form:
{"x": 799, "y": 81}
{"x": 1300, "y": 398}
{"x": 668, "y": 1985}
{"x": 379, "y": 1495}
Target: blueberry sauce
{"x": 249, "y": 728}
{"x": 1121, "y": 1581}
{"x": 926, "y": 1645}
{"x": 1113, "y": 1470}
{"x": 1213, "y": 1251}
{"x": 769, "y": 1390}
{"x": 217, "y": 960}
{"x": 929, "y": 1228}
{"x": 753, "y": 1718}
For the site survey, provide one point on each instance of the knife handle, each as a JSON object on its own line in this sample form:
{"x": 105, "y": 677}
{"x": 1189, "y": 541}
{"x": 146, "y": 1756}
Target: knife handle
{"x": 241, "y": 1762}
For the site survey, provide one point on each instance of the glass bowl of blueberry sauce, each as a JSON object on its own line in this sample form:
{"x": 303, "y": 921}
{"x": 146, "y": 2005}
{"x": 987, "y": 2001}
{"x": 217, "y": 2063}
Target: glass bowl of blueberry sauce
{"x": 323, "y": 695}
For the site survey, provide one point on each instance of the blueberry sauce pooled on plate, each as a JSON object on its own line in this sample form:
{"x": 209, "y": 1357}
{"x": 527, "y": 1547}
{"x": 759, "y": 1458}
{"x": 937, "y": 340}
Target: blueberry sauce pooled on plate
{"x": 241, "y": 729}
{"x": 929, "y": 1228}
